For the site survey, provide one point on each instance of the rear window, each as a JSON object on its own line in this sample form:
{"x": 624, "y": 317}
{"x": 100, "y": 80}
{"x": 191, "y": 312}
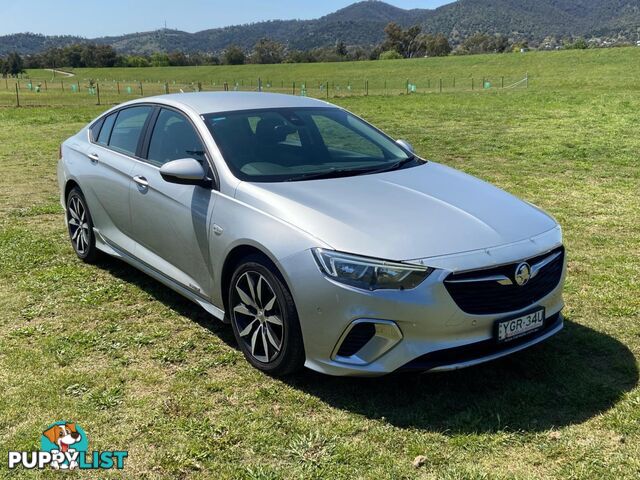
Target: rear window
{"x": 127, "y": 129}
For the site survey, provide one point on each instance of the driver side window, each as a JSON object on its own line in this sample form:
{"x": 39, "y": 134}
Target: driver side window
{"x": 174, "y": 138}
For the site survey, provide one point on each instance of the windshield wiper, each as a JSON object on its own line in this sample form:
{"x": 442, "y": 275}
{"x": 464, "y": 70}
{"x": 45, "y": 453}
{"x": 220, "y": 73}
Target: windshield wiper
{"x": 396, "y": 165}
{"x": 347, "y": 172}
{"x": 332, "y": 173}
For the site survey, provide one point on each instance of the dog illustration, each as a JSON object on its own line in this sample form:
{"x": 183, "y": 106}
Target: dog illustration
{"x": 63, "y": 436}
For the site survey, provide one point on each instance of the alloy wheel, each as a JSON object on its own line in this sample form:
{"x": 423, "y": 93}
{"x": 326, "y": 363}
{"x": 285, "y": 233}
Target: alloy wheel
{"x": 79, "y": 228}
{"x": 258, "y": 317}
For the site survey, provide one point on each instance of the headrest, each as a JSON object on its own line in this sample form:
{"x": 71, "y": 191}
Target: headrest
{"x": 271, "y": 131}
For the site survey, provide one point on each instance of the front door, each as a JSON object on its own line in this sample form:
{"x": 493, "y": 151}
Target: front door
{"x": 171, "y": 222}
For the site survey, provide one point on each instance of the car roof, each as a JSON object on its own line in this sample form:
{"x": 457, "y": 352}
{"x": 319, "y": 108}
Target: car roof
{"x": 217, "y": 102}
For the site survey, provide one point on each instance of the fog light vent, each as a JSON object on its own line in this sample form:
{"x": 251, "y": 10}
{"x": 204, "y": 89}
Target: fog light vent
{"x": 357, "y": 338}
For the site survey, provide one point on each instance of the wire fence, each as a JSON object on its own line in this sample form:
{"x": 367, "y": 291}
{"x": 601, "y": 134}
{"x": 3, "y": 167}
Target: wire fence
{"x": 70, "y": 91}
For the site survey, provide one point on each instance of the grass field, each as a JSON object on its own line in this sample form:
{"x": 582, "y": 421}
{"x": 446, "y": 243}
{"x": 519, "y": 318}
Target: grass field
{"x": 143, "y": 370}
{"x": 595, "y": 71}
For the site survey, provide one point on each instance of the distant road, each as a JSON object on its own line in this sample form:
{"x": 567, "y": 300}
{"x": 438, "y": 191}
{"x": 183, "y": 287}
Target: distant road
{"x": 65, "y": 74}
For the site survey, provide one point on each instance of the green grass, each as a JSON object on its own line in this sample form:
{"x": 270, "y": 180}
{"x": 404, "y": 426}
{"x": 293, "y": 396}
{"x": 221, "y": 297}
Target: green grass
{"x": 596, "y": 71}
{"x": 142, "y": 369}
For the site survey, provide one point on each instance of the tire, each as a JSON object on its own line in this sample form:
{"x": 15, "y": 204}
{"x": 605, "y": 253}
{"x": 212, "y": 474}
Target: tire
{"x": 264, "y": 318}
{"x": 80, "y": 227}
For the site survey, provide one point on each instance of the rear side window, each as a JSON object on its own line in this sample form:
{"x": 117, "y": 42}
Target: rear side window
{"x": 105, "y": 131}
{"x": 174, "y": 138}
{"x": 127, "y": 129}
{"x": 95, "y": 130}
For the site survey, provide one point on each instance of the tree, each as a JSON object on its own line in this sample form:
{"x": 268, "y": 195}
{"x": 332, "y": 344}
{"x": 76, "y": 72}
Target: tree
{"x": 178, "y": 59}
{"x": 267, "y": 51}
{"x": 341, "y": 48}
{"x": 104, "y": 56}
{"x": 15, "y": 66}
{"x": 483, "y": 43}
{"x": 579, "y": 44}
{"x": 409, "y": 43}
{"x": 390, "y": 55}
{"x": 4, "y": 68}
{"x": 159, "y": 59}
{"x": 233, "y": 55}
{"x": 437, "y": 46}
{"x": 136, "y": 61}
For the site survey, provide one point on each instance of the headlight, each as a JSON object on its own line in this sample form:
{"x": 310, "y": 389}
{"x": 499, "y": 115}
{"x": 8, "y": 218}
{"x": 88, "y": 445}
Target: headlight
{"x": 369, "y": 273}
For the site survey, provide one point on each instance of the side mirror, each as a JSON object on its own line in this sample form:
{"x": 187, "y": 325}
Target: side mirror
{"x": 406, "y": 145}
{"x": 186, "y": 171}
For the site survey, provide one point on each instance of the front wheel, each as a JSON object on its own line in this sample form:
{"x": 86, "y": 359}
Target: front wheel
{"x": 264, "y": 318}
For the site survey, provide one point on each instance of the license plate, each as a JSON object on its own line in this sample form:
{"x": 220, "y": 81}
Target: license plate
{"x": 517, "y": 327}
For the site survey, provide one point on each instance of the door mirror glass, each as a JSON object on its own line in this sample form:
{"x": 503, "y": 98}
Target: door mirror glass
{"x": 186, "y": 171}
{"x": 406, "y": 145}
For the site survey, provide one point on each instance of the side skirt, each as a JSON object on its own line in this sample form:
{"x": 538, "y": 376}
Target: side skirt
{"x": 109, "y": 248}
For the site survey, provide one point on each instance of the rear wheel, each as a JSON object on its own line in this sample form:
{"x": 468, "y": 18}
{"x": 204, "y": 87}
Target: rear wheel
{"x": 264, "y": 318}
{"x": 80, "y": 227}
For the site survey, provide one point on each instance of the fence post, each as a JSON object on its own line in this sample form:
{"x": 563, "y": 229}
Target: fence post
{"x": 366, "y": 86}
{"x": 46, "y": 89}
{"x": 327, "y": 90}
{"x": 166, "y": 87}
{"x": 98, "y": 92}
{"x": 502, "y": 81}
{"x": 473, "y": 84}
{"x": 440, "y": 85}
{"x": 78, "y": 86}
{"x": 17, "y": 95}
{"x": 141, "y": 91}
{"x": 118, "y": 87}
{"x": 407, "y": 86}
{"x": 294, "y": 88}
{"x": 259, "y": 84}
{"x": 6, "y": 82}
{"x": 454, "y": 82}
{"x": 62, "y": 85}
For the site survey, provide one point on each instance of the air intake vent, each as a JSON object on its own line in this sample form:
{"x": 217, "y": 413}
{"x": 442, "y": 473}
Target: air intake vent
{"x": 357, "y": 338}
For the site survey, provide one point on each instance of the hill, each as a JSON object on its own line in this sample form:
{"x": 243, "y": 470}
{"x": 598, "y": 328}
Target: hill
{"x": 362, "y": 24}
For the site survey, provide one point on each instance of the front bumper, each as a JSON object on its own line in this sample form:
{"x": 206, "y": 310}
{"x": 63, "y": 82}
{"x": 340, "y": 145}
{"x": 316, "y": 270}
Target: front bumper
{"x": 435, "y": 334}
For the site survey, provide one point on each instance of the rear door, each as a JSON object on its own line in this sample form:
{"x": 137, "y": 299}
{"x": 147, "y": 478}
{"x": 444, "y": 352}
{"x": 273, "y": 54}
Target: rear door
{"x": 170, "y": 222}
{"x": 111, "y": 157}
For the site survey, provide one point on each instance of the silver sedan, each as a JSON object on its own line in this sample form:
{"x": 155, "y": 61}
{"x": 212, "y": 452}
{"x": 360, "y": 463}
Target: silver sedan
{"x": 322, "y": 241}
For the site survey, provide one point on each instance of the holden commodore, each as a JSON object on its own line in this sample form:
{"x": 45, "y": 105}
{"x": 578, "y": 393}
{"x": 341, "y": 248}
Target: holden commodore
{"x": 322, "y": 241}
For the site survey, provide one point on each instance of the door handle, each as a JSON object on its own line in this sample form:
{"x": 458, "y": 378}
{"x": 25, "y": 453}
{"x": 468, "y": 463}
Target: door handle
{"x": 94, "y": 157}
{"x": 141, "y": 181}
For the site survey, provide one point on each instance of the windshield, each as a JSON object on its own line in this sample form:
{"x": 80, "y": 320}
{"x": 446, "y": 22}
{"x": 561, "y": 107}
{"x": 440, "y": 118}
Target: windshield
{"x": 291, "y": 144}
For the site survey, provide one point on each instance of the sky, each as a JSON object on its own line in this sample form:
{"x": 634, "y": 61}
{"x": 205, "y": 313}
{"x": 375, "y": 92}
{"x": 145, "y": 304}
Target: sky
{"x": 91, "y": 18}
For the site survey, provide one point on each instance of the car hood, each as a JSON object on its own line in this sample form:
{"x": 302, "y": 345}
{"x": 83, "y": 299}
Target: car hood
{"x": 425, "y": 211}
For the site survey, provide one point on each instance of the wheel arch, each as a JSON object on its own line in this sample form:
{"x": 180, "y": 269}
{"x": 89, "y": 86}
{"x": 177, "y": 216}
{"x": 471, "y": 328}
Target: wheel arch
{"x": 235, "y": 256}
{"x": 70, "y": 185}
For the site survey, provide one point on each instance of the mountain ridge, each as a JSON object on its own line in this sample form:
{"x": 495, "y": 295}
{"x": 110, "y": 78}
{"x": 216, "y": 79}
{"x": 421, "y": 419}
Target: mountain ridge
{"x": 362, "y": 23}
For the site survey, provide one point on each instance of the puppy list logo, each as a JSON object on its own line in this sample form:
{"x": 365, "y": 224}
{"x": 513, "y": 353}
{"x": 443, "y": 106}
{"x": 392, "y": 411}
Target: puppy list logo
{"x": 65, "y": 446}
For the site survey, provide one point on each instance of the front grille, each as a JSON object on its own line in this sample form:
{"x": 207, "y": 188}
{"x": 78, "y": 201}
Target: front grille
{"x": 474, "y": 351}
{"x": 357, "y": 338}
{"x": 491, "y": 297}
